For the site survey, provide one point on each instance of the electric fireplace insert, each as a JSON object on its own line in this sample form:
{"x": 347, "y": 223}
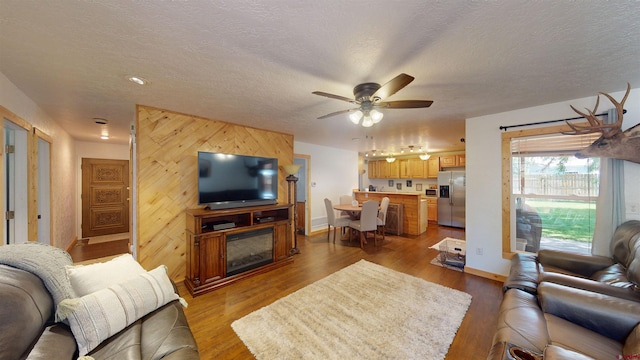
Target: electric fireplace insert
{"x": 249, "y": 250}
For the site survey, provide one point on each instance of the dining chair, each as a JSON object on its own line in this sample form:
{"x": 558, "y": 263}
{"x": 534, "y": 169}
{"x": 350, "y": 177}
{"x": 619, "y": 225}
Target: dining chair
{"x": 334, "y": 221}
{"x": 382, "y": 215}
{"x": 368, "y": 221}
{"x": 345, "y": 199}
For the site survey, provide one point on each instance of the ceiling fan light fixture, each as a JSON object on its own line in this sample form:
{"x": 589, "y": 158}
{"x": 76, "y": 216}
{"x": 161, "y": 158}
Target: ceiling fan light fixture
{"x": 367, "y": 122}
{"x": 376, "y": 116}
{"x": 355, "y": 117}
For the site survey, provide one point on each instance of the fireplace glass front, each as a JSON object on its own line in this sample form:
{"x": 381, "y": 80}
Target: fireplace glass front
{"x": 249, "y": 250}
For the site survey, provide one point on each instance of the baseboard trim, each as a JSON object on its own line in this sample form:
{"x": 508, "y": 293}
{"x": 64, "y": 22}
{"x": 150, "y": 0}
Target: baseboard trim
{"x": 73, "y": 243}
{"x": 318, "y": 231}
{"x": 484, "y": 274}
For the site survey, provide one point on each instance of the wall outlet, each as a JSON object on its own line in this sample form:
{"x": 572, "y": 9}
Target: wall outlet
{"x": 633, "y": 208}
{"x": 479, "y": 251}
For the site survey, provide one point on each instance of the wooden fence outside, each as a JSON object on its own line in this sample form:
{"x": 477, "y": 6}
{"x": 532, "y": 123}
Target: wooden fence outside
{"x": 571, "y": 185}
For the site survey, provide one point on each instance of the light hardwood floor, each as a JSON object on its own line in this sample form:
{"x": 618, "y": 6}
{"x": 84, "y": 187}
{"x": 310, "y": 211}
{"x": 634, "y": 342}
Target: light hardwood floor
{"x": 210, "y": 315}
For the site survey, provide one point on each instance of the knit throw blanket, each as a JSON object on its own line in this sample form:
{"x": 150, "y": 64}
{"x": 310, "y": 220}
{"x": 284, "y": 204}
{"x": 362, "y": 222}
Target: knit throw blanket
{"x": 46, "y": 262}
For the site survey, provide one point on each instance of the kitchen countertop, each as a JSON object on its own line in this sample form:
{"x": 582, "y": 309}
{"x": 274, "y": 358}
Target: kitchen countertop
{"x": 414, "y": 205}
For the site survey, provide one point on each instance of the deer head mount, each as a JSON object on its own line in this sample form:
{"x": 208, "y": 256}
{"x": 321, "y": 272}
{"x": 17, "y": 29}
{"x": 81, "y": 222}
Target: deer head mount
{"x": 614, "y": 143}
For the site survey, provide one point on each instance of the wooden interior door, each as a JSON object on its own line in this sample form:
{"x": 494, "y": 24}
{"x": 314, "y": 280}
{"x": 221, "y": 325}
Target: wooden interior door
{"x": 301, "y": 217}
{"x": 105, "y": 197}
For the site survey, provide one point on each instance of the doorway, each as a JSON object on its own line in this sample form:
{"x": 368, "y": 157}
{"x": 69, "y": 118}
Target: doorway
{"x": 302, "y": 191}
{"x": 43, "y": 145}
{"x": 15, "y": 181}
{"x": 105, "y": 197}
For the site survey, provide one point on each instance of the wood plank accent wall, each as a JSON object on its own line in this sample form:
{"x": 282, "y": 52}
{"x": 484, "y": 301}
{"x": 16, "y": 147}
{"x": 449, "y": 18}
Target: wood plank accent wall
{"x": 167, "y": 144}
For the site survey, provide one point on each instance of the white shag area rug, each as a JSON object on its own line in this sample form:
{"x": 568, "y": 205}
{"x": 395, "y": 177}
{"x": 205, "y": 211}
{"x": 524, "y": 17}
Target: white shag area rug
{"x": 364, "y": 311}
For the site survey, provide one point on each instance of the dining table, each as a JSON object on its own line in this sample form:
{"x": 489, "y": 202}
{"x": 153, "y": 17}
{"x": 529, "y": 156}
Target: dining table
{"x": 352, "y": 210}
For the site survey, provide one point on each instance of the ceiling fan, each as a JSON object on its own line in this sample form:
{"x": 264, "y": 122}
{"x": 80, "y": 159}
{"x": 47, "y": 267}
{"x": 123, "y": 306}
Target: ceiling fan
{"x": 370, "y": 96}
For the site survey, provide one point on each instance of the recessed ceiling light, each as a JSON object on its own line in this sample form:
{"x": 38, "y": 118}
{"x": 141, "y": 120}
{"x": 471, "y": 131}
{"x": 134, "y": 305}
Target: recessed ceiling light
{"x": 138, "y": 80}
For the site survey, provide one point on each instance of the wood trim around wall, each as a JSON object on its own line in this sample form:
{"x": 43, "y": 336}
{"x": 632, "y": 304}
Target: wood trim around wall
{"x": 506, "y": 137}
{"x": 484, "y": 274}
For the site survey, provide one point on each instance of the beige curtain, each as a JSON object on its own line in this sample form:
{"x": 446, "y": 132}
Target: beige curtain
{"x": 610, "y": 207}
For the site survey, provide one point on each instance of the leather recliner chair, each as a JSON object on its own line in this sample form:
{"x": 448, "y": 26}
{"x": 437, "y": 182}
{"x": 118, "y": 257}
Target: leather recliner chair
{"x": 560, "y": 305}
{"x": 618, "y": 275}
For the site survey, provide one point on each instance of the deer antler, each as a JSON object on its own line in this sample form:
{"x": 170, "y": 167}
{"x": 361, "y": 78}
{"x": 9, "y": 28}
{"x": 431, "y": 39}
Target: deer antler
{"x": 608, "y": 130}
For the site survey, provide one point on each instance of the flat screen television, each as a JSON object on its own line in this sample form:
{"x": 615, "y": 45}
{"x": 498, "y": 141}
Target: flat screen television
{"x": 230, "y": 181}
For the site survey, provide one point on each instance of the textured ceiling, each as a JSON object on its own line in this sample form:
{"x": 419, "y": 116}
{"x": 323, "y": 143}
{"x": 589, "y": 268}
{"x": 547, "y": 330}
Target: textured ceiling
{"x": 256, "y": 63}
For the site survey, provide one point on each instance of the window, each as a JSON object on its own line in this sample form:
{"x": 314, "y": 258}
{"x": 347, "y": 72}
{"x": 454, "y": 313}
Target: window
{"x": 549, "y": 193}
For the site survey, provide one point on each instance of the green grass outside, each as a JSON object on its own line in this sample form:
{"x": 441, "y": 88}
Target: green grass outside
{"x": 561, "y": 219}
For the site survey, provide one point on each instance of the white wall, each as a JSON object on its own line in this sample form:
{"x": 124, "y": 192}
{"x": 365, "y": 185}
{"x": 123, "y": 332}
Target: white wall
{"x": 334, "y": 172}
{"x": 94, "y": 150}
{"x": 63, "y": 186}
{"x": 484, "y": 173}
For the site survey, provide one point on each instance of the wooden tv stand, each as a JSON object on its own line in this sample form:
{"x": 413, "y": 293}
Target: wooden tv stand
{"x": 207, "y": 232}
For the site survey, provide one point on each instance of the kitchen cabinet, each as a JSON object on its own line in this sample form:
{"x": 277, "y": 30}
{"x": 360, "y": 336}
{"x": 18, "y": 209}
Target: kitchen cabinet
{"x": 394, "y": 170}
{"x": 433, "y": 167}
{"x": 453, "y": 160}
{"x": 461, "y": 159}
{"x": 411, "y": 169}
{"x": 373, "y": 169}
{"x": 416, "y": 168}
{"x": 404, "y": 169}
{"x": 448, "y": 161}
{"x": 383, "y": 169}
{"x": 432, "y": 209}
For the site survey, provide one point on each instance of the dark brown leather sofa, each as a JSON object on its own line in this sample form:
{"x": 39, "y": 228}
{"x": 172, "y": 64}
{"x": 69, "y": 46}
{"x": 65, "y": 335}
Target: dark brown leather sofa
{"x": 28, "y": 331}
{"x": 559, "y": 305}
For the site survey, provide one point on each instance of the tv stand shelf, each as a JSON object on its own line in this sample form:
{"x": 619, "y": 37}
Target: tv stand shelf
{"x": 206, "y": 235}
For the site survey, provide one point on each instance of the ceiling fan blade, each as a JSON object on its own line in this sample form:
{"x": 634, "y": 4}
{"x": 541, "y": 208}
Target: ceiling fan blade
{"x": 332, "y": 96}
{"x": 404, "y": 104}
{"x": 393, "y": 86}
{"x": 337, "y": 113}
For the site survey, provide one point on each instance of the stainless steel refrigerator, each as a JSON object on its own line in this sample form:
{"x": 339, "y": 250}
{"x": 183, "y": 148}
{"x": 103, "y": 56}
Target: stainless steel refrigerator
{"x": 451, "y": 198}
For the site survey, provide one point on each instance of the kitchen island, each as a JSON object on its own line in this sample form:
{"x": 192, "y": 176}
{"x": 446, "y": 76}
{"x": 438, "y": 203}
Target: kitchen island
{"x": 415, "y": 208}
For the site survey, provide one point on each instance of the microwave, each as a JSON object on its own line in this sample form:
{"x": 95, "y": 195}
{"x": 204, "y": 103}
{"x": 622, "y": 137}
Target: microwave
{"x": 431, "y": 192}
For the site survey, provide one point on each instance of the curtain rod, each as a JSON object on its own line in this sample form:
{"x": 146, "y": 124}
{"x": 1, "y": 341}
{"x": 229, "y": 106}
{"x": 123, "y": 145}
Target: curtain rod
{"x": 624, "y": 111}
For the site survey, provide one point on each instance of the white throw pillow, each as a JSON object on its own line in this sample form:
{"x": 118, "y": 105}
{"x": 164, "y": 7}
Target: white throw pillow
{"x": 97, "y": 316}
{"x": 86, "y": 279}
